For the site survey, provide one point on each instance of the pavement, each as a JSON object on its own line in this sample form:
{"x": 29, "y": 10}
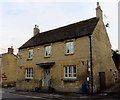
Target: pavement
{"x": 113, "y": 88}
{"x": 110, "y": 92}
{"x": 1, "y": 93}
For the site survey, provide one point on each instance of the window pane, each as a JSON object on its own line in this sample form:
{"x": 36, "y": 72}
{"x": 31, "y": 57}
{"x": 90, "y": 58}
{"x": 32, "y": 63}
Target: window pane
{"x": 46, "y": 53}
{"x": 74, "y": 75}
{"x": 74, "y": 69}
{"x": 71, "y": 68}
{"x": 29, "y": 73}
{"x": 68, "y": 50}
{"x": 69, "y": 47}
{"x": 66, "y": 75}
{"x": 65, "y": 71}
{"x": 47, "y": 50}
{"x": 70, "y": 72}
{"x": 30, "y": 53}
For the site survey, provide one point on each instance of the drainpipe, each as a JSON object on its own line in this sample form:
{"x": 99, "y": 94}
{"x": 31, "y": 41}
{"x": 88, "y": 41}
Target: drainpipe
{"x": 91, "y": 67}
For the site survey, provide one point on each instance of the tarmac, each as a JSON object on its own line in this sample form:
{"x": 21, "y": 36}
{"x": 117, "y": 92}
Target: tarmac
{"x": 113, "y": 89}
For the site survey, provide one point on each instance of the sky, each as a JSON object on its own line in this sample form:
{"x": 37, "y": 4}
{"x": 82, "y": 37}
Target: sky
{"x": 18, "y": 18}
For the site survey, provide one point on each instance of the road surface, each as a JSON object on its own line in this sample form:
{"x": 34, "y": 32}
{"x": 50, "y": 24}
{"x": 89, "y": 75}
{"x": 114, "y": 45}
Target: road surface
{"x": 110, "y": 94}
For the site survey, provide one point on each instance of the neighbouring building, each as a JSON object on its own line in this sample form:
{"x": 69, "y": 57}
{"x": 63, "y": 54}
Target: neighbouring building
{"x": 0, "y": 71}
{"x": 8, "y": 68}
{"x": 68, "y": 58}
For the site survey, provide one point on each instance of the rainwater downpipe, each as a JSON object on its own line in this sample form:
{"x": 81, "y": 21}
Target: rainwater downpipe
{"x": 91, "y": 66}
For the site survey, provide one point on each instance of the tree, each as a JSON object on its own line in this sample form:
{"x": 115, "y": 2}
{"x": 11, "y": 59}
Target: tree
{"x": 116, "y": 58}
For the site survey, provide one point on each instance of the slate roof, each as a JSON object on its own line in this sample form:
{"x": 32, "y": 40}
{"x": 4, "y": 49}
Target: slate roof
{"x": 75, "y": 30}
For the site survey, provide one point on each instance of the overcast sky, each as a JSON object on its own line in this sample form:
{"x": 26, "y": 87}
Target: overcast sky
{"x": 18, "y": 17}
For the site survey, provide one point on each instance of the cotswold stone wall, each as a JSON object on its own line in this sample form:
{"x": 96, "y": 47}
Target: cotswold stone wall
{"x": 102, "y": 57}
{"x": 79, "y": 58}
{"x": 9, "y": 69}
{"x": 27, "y": 85}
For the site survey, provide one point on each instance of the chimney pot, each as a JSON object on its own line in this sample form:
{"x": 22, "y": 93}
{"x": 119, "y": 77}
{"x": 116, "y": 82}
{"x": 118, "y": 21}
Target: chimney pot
{"x": 36, "y": 30}
{"x": 99, "y": 11}
{"x": 98, "y": 4}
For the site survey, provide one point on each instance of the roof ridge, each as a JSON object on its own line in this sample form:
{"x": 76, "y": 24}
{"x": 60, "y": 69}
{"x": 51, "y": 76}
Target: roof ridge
{"x": 74, "y": 30}
{"x": 69, "y": 24}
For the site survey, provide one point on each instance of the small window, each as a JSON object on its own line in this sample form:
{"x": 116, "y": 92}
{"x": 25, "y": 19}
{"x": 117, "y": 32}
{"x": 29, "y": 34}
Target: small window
{"x": 30, "y": 53}
{"x": 69, "y": 47}
{"x": 29, "y": 73}
{"x": 47, "y": 51}
{"x": 70, "y": 72}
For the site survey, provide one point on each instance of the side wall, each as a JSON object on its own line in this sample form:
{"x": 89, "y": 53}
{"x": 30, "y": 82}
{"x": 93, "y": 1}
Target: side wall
{"x": 102, "y": 57}
{"x": 9, "y": 69}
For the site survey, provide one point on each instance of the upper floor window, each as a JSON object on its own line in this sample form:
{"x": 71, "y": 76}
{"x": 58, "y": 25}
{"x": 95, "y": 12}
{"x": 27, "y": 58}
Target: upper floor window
{"x": 47, "y": 51}
{"x": 29, "y": 73}
{"x": 30, "y": 53}
{"x": 70, "y": 71}
{"x": 69, "y": 47}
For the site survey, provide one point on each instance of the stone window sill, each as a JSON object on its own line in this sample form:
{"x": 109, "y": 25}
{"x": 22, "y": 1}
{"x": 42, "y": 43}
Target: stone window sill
{"x": 67, "y": 54}
{"x": 69, "y": 79}
{"x": 47, "y": 57}
{"x": 29, "y": 59}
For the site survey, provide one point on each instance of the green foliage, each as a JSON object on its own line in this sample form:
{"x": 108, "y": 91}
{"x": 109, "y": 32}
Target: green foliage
{"x": 116, "y": 58}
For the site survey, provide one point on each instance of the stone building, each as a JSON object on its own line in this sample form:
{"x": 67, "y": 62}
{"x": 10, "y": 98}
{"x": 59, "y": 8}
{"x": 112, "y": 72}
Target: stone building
{"x": 68, "y": 57}
{"x": 8, "y": 68}
{"x": 0, "y": 71}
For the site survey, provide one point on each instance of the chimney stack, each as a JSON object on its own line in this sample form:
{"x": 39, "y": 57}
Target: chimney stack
{"x": 10, "y": 50}
{"x": 99, "y": 12}
{"x": 36, "y": 30}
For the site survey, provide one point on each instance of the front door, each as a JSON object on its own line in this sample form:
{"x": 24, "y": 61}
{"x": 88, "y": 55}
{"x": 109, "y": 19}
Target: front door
{"x": 102, "y": 80}
{"x": 47, "y": 76}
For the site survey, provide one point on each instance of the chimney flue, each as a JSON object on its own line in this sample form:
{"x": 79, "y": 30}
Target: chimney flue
{"x": 10, "y": 50}
{"x": 98, "y": 4}
{"x": 36, "y": 30}
{"x": 99, "y": 12}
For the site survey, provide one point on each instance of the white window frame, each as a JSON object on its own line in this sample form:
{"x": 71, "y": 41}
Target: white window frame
{"x": 48, "y": 51}
{"x": 29, "y": 73}
{"x": 70, "y": 47}
{"x": 30, "y": 54}
{"x": 70, "y": 72}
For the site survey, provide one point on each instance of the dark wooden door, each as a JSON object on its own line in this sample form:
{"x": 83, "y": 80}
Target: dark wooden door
{"x": 102, "y": 80}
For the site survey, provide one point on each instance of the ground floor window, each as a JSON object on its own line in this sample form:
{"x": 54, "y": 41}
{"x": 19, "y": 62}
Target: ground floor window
{"x": 70, "y": 71}
{"x": 29, "y": 73}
